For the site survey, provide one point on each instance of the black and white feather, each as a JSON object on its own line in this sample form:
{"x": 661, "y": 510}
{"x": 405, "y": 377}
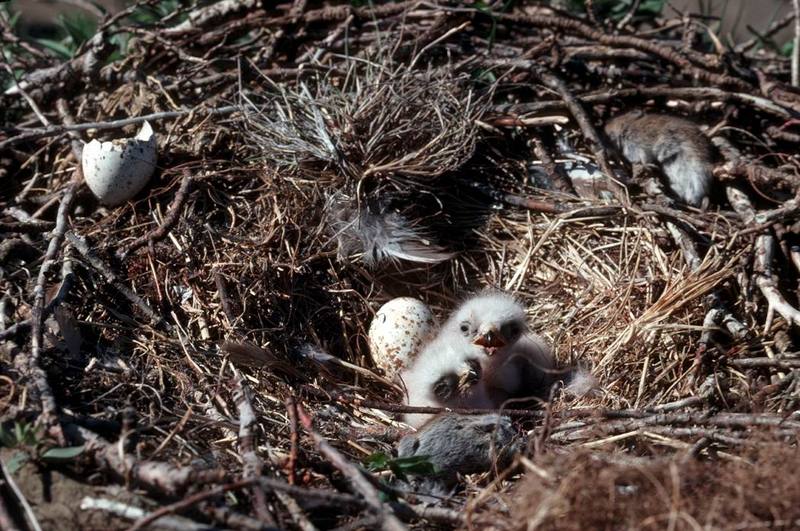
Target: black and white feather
{"x": 378, "y": 236}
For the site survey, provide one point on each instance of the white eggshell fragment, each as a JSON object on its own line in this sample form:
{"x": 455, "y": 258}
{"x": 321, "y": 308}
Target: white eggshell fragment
{"x": 397, "y": 333}
{"x": 116, "y": 171}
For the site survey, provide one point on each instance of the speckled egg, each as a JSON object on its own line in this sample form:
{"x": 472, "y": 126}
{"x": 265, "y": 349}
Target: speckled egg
{"x": 397, "y": 333}
{"x": 116, "y": 171}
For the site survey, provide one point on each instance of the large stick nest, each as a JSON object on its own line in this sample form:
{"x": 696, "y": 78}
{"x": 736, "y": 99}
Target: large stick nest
{"x": 283, "y": 128}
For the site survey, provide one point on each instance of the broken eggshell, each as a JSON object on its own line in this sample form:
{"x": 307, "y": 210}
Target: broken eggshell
{"x": 116, "y": 171}
{"x": 397, "y": 333}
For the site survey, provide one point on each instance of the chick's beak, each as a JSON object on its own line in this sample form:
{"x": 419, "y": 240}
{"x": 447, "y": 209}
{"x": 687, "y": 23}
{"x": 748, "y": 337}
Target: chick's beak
{"x": 491, "y": 339}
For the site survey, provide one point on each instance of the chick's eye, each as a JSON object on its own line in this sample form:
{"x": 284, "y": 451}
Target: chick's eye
{"x": 465, "y": 327}
{"x": 511, "y": 330}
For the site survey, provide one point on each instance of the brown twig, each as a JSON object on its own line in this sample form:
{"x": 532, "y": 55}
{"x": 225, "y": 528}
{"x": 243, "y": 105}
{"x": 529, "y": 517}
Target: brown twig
{"x": 187, "y": 502}
{"x": 294, "y": 439}
{"x": 667, "y": 54}
{"x": 32, "y": 363}
{"x": 170, "y": 219}
{"x": 388, "y": 521}
{"x": 83, "y": 248}
{"x": 252, "y": 465}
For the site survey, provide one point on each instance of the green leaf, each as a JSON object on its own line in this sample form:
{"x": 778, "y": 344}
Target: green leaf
{"x": 16, "y": 462}
{"x": 377, "y": 461}
{"x": 400, "y": 467}
{"x": 418, "y": 465}
{"x": 57, "y": 47}
{"x": 79, "y": 27}
{"x": 67, "y": 453}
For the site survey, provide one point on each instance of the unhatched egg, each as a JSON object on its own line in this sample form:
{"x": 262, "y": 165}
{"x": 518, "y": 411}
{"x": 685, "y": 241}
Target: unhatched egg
{"x": 397, "y": 333}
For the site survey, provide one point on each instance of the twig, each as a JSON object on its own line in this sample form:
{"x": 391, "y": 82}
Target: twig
{"x": 388, "y": 521}
{"x": 768, "y": 283}
{"x": 556, "y": 173}
{"x": 130, "y": 512}
{"x": 629, "y": 15}
{"x": 294, "y": 439}
{"x": 169, "y": 220}
{"x": 35, "y": 134}
{"x": 776, "y": 363}
{"x": 295, "y": 511}
{"x": 688, "y": 93}
{"x": 252, "y": 465}
{"x": 30, "y": 516}
{"x": 158, "y": 477}
{"x": 32, "y": 363}
{"x": 188, "y": 502}
{"x": 623, "y": 41}
{"x": 796, "y": 47}
{"x": 83, "y": 247}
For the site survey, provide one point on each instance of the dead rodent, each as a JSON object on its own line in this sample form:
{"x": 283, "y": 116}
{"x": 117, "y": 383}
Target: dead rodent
{"x": 460, "y": 444}
{"x": 677, "y": 146}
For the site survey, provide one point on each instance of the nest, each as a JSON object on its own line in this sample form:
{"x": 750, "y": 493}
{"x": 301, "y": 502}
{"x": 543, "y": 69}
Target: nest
{"x": 209, "y": 336}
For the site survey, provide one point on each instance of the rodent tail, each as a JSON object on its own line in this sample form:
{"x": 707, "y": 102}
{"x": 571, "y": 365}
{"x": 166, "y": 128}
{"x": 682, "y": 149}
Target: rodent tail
{"x": 380, "y": 237}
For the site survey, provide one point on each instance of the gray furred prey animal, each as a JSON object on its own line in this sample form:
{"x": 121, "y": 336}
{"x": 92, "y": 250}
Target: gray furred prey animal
{"x": 677, "y": 146}
{"x": 515, "y": 363}
{"x": 446, "y": 373}
{"x": 460, "y": 444}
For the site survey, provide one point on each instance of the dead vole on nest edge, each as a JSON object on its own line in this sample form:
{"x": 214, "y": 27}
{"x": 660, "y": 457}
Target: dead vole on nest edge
{"x": 460, "y": 444}
{"x": 681, "y": 150}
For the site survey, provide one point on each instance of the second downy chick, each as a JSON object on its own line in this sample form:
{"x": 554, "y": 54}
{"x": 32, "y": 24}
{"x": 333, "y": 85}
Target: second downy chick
{"x": 446, "y": 373}
{"x": 678, "y": 146}
{"x": 515, "y": 362}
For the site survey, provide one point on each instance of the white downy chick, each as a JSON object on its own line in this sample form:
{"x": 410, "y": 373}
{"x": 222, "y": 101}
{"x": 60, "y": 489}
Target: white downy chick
{"x": 515, "y": 363}
{"x": 677, "y": 146}
{"x": 446, "y": 373}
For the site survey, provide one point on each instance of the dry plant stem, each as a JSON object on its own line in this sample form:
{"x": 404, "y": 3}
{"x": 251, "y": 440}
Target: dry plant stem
{"x": 717, "y": 314}
{"x": 721, "y": 420}
{"x": 410, "y": 512}
{"x": 774, "y": 28}
{"x": 130, "y": 512}
{"x": 625, "y": 41}
{"x": 777, "y": 363}
{"x": 188, "y": 502}
{"x": 83, "y": 247}
{"x": 230, "y": 519}
{"x": 169, "y": 220}
{"x": 252, "y": 465}
{"x": 32, "y": 363}
{"x": 629, "y": 15}
{"x": 84, "y": 66}
{"x": 30, "y": 516}
{"x": 796, "y": 47}
{"x": 687, "y": 93}
{"x": 67, "y": 281}
{"x": 44, "y": 132}
{"x": 767, "y": 281}
{"x": 294, "y": 439}
{"x": 295, "y": 511}
{"x": 158, "y": 477}
{"x": 388, "y": 521}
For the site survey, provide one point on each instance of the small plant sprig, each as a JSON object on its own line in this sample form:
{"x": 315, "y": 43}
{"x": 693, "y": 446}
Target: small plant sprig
{"x": 31, "y": 445}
